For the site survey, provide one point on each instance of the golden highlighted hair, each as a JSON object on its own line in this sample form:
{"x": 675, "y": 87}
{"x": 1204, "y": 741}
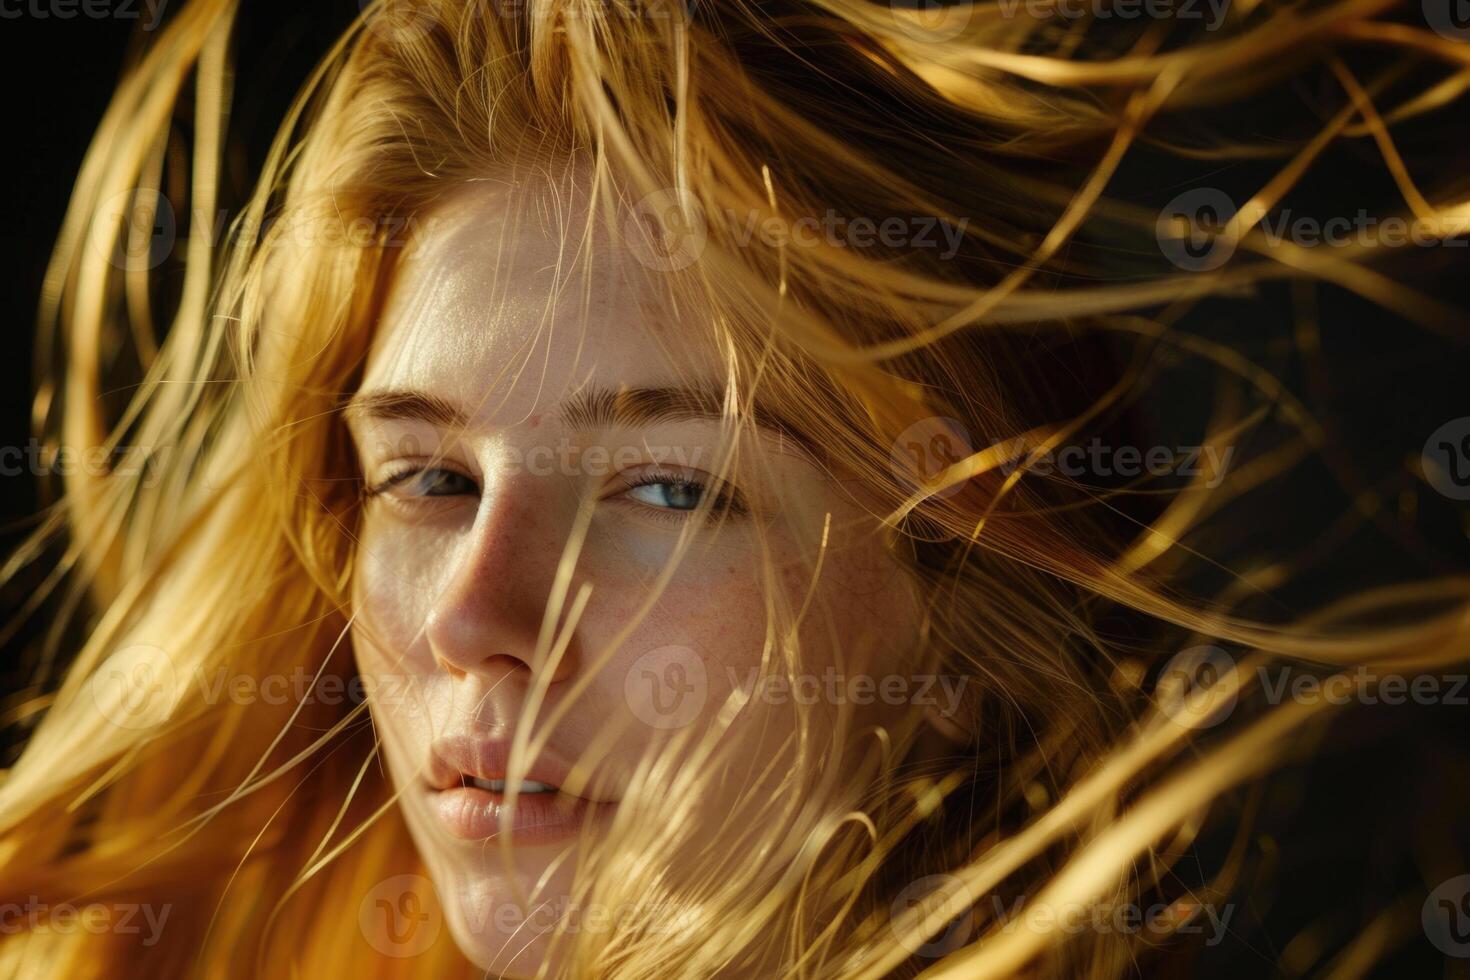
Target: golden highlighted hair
{"x": 219, "y": 540}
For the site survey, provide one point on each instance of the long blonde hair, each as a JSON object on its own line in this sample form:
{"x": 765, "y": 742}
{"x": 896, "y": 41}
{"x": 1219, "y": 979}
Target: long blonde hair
{"x": 220, "y": 536}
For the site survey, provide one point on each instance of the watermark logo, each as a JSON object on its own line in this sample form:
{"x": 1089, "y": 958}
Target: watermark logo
{"x": 664, "y": 234}
{"x": 1448, "y": 18}
{"x": 1446, "y": 917}
{"x": 1197, "y": 687}
{"x": 931, "y": 20}
{"x": 398, "y": 21}
{"x": 135, "y": 686}
{"x": 667, "y": 688}
{"x": 135, "y": 229}
{"x": 924, "y": 450}
{"x": 1446, "y": 459}
{"x": 1190, "y": 229}
{"x": 400, "y": 916}
{"x": 930, "y": 895}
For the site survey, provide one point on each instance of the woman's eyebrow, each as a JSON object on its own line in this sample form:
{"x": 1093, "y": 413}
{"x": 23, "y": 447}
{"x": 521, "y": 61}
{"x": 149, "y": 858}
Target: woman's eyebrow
{"x": 405, "y": 405}
{"x": 594, "y": 408}
{"x": 591, "y": 408}
{"x": 598, "y": 408}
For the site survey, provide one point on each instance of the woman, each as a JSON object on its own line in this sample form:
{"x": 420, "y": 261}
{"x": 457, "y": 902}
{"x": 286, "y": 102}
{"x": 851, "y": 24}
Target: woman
{"x": 601, "y": 508}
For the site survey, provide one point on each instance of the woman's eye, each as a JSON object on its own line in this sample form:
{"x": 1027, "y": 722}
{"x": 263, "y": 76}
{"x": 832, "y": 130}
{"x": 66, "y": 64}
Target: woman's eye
{"x": 670, "y": 494}
{"x": 674, "y": 495}
{"x": 430, "y": 481}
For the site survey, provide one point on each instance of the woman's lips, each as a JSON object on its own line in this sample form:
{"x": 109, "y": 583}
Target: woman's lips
{"x": 477, "y": 812}
{"x": 472, "y": 813}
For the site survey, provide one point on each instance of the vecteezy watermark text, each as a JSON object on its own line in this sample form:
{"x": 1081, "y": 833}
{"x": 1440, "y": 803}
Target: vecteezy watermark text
{"x": 1199, "y": 687}
{"x": 834, "y": 687}
{"x": 150, "y": 12}
{"x": 1363, "y": 685}
{"x": 1194, "y": 230}
{"x": 1212, "y": 12}
{"x": 97, "y": 918}
{"x": 1097, "y": 459}
{"x": 36, "y": 458}
{"x": 669, "y": 688}
{"x": 667, "y": 233}
{"x": 1160, "y": 918}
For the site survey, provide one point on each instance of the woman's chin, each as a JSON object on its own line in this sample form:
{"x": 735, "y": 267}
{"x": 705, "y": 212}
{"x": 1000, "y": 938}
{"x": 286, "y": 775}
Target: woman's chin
{"x": 498, "y": 933}
{"x": 512, "y": 957}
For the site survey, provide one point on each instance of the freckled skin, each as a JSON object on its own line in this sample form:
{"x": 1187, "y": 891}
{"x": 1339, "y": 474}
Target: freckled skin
{"x": 450, "y": 590}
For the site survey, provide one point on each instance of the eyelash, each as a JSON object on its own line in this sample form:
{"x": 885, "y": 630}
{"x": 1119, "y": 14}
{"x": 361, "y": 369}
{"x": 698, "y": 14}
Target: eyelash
{"x": 403, "y": 476}
{"x": 727, "y": 503}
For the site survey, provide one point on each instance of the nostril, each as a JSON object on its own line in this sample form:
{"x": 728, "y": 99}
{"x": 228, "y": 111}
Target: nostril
{"x": 488, "y": 609}
{"x": 451, "y": 668}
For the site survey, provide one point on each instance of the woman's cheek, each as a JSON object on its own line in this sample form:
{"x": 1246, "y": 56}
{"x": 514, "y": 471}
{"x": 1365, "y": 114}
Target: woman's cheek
{"x": 398, "y": 572}
{"x": 392, "y": 590}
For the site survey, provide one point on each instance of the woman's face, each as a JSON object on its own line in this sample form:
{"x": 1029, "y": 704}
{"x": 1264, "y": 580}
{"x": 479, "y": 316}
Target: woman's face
{"x": 535, "y": 431}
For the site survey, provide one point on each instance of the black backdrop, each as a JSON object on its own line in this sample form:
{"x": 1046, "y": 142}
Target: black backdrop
{"x": 1358, "y": 829}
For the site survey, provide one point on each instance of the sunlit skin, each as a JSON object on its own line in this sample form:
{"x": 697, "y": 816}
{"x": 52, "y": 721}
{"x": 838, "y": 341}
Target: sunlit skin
{"x": 469, "y": 507}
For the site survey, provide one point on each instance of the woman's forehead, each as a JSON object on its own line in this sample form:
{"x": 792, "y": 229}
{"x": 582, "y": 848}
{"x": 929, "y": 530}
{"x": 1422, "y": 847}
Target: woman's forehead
{"x": 521, "y": 291}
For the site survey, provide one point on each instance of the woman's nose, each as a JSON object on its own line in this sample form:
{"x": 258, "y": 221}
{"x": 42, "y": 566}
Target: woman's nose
{"x": 488, "y": 617}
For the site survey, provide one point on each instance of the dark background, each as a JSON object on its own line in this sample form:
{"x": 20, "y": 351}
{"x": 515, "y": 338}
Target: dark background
{"x": 1362, "y": 827}
{"x": 56, "y": 76}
